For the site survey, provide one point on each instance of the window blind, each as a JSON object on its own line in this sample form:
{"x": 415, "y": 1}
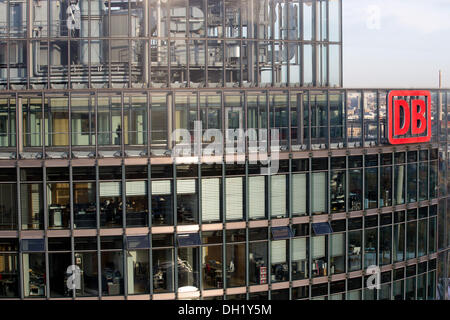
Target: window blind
{"x": 299, "y": 249}
{"x": 110, "y": 189}
{"x": 234, "y": 203}
{"x": 211, "y": 199}
{"x": 278, "y": 251}
{"x": 318, "y": 191}
{"x": 136, "y": 188}
{"x": 256, "y": 197}
{"x": 278, "y": 188}
{"x": 299, "y": 193}
{"x": 318, "y": 247}
{"x": 161, "y": 187}
{"x": 337, "y": 244}
{"x": 186, "y": 186}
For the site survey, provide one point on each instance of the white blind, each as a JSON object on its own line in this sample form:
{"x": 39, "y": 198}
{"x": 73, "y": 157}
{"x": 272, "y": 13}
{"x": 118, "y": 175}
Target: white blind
{"x": 318, "y": 247}
{"x": 161, "y": 187}
{"x": 234, "y": 203}
{"x": 299, "y": 193}
{"x": 278, "y": 198}
{"x": 110, "y": 189}
{"x": 318, "y": 191}
{"x": 136, "y": 188}
{"x": 278, "y": 251}
{"x": 186, "y": 186}
{"x": 299, "y": 249}
{"x": 337, "y": 244}
{"x": 256, "y": 197}
{"x": 211, "y": 199}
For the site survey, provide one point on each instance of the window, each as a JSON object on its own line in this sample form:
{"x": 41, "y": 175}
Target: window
{"x": 370, "y": 247}
{"x": 299, "y": 199}
{"x": 319, "y": 256}
{"x": 337, "y": 253}
{"x": 279, "y": 266}
{"x": 187, "y": 206}
{"x": 318, "y": 192}
{"x": 211, "y": 204}
{"x": 162, "y": 263}
{"x": 112, "y": 269}
{"x": 257, "y": 197}
{"x": 212, "y": 260}
{"x": 278, "y": 196}
{"x": 86, "y": 259}
{"x": 110, "y": 204}
{"x": 234, "y": 198}
{"x": 337, "y": 191}
{"x": 8, "y": 207}
{"x": 32, "y": 206}
{"x": 9, "y": 268}
{"x": 235, "y": 267}
{"x": 58, "y": 204}
{"x": 162, "y": 202}
{"x": 354, "y": 250}
{"x": 385, "y": 244}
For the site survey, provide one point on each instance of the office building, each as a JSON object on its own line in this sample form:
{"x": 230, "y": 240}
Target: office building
{"x": 91, "y": 94}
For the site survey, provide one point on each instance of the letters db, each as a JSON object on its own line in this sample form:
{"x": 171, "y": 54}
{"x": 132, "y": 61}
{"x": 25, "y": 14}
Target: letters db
{"x": 409, "y": 116}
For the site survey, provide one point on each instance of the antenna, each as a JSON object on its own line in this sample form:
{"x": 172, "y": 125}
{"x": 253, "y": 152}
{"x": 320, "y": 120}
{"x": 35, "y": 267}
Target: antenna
{"x": 440, "y": 79}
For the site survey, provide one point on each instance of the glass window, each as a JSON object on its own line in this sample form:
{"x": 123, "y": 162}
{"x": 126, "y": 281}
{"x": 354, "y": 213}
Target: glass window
{"x": 299, "y": 196}
{"x": 56, "y": 115}
{"x": 370, "y": 247}
{"x": 319, "y": 256}
{"x": 58, "y": 263}
{"x": 355, "y": 189}
{"x": 162, "y": 202}
{"x": 337, "y": 191}
{"x": 234, "y": 198}
{"x": 371, "y": 188}
{"x": 9, "y": 268}
{"x": 58, "y": 204}
{"x": 188, "y": 268}
{"x": 212, "y": 261}
{"x": 111, "y": 204}
{"x": 411, "y": 239}
{"x": 8, "y": 206}
{"x": 34, "y": 275}
{"x": 354, "y": 250}
{"x": 399, "y": 242}
{"x": 257, "y": 197}
{"x": 84, "y": 205}
{"x": 337, "y": 253}
{"x": 279, "y": 266}
{"x": 279, "y": 198}
{"x": 88, "y": 264}
{"x": 187, "y": 206}
{"x": 412, "y": 182}
{"x": 385, "y": 244}
{"x": 318, "y": 192}
{"x": 32, "y": 206}
{"x": 354, "y": 111}
{"x": 399, "y": 184}
{"x": 258, "y": 259}
{"x": 386, "y": 186}
{"x": 235, "y": 265}
{"x": 137, "y": 203}
{"x": 162, "y": 263}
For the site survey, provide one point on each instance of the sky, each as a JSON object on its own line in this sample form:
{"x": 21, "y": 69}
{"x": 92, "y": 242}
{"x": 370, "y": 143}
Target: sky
{"x": 396, "y": 43}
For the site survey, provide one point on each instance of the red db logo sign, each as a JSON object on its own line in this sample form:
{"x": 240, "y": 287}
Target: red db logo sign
{"x": 409, "y": 116}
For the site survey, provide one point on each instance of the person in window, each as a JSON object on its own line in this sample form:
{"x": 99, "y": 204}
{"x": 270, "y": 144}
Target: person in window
{"x": 119, "y": 134}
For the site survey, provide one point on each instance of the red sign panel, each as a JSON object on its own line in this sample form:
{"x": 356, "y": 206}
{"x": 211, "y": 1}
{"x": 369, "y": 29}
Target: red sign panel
{"x": 409, "y": 116}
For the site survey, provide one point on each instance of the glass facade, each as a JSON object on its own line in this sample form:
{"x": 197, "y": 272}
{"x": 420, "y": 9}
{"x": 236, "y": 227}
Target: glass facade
{"x": 91, "y": 93}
